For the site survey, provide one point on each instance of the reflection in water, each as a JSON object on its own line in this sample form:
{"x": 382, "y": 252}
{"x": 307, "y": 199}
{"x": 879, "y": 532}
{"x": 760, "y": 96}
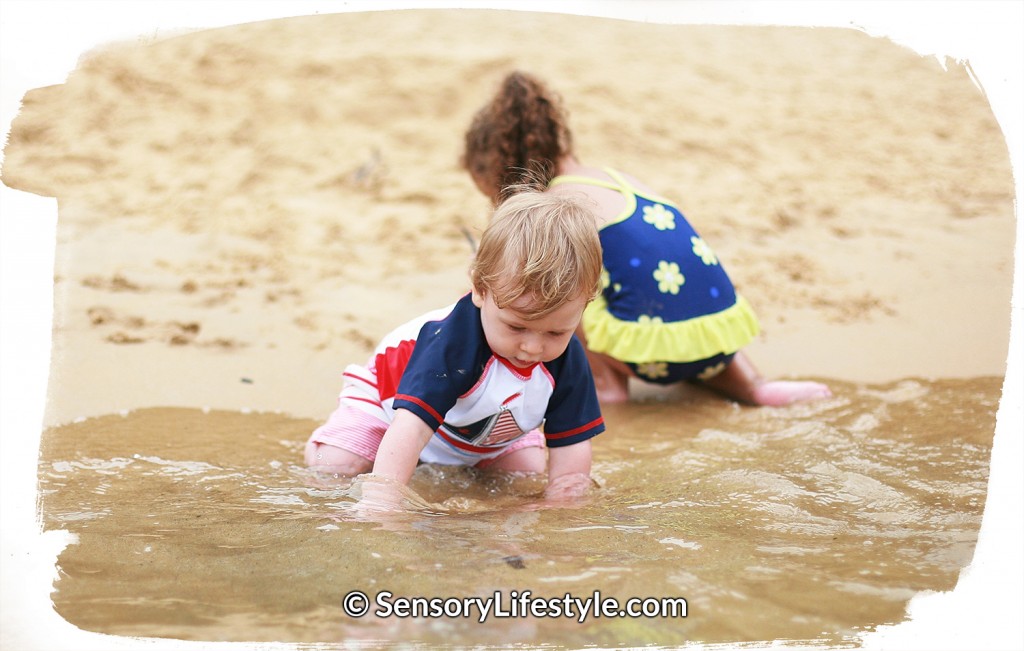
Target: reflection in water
{"x": 813, "y": 521}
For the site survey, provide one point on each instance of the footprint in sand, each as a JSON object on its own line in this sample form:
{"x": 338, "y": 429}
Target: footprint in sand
{"x": 132, "y": 329}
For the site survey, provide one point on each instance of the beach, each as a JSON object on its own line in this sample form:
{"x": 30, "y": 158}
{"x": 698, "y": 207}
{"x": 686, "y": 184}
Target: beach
{"x": 244, "y": 211}
{"x": 239, "y": 219}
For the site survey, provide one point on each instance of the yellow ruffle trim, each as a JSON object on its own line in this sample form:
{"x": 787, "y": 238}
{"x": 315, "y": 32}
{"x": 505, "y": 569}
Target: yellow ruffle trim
{"x": 640, "y": 342}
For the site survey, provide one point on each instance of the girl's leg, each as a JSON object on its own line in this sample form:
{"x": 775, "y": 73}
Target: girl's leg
{"x": 741, "y": 381}
{"x": 611, "y": 378}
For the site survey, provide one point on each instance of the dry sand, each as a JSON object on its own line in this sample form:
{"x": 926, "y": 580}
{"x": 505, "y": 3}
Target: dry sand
{"x": 245, "y": 210}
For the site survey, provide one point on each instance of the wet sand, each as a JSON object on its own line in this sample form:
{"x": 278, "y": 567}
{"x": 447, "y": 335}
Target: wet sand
{"x": 243, "y": 211}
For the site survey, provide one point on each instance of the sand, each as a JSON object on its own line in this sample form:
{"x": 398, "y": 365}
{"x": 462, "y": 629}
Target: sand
{"x": 243, "y": 211}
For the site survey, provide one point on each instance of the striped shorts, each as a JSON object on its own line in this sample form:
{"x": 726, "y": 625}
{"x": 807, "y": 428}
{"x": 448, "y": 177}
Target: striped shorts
{"x": 359, "y": 422}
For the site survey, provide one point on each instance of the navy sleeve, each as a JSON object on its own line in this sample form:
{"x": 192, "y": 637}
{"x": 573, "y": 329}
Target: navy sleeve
{"x": 574, "y": 414}
{"x": 447, "y": 361}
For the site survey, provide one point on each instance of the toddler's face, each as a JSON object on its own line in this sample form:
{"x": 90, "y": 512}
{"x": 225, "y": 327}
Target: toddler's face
{"x": 522, "y": 341}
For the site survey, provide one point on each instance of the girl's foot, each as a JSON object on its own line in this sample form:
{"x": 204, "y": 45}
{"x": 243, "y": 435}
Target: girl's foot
{"x": 780, "y": 392}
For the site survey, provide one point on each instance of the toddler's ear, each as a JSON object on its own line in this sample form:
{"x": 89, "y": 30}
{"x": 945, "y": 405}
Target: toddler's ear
{"x": 478, "y": 297}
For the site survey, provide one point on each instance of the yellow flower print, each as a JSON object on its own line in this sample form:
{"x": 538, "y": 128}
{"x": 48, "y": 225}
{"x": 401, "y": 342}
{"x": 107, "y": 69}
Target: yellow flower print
{"x": 646, "y": 320}
{"x": 703, "y": 251}
{"x": 659, "y": 217}
{"x": 711, "y": 371}
{"x": 669, "y": 278}
{"x": 653, "y": 370}
{"x": 606, "y": 279}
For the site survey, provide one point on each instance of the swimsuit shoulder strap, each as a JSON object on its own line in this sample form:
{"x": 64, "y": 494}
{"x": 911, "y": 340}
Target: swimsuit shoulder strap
{"x": 623, "y": 184}
{"x": 584, "y": 180}
{"x": 619, "y": 184}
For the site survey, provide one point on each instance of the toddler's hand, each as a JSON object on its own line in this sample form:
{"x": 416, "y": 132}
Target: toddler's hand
{"x": 568, "y": 487}
{"x": 377, "y": 495}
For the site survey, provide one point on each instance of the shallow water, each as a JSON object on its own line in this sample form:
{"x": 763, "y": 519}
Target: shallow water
{"x": 810, "y": 522}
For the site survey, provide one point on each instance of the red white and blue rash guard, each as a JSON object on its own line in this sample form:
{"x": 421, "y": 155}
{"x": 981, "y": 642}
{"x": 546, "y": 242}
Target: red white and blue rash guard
{"x": 440, "y": 368}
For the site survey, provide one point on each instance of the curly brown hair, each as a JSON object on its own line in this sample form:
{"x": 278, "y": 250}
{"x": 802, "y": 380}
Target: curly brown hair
{"x": 518, "y": 136}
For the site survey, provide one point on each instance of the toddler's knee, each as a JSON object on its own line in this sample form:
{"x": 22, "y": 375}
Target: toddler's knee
{"x": 328, "y": 458}
{"x": 529, "y": 459}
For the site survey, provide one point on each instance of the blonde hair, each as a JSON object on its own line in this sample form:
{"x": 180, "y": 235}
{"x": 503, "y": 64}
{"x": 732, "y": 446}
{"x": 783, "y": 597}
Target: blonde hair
{"x": 539, "y": 245}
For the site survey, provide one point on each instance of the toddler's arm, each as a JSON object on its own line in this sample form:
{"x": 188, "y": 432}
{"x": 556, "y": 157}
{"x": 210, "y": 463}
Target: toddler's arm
{"x": 568, "y": 471}
{"x": 400, "y": 448}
